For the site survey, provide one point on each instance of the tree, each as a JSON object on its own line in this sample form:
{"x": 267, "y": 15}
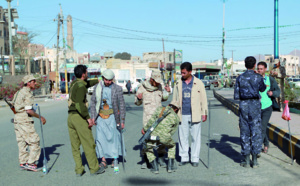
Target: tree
{"x": 21, "y": 42}
{"x": 123, "y": 56}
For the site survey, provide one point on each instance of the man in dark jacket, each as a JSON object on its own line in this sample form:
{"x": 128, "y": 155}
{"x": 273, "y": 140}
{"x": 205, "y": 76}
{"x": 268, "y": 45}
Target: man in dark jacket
{"x": 247, "y": 88}
{"x": 128, "y": 86}
{"x": 80, "y": 122}
{"x": 268, "y": 101}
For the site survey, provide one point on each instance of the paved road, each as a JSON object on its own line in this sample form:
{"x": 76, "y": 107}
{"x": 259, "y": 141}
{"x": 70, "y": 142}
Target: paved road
{"x": 224, "y": 164}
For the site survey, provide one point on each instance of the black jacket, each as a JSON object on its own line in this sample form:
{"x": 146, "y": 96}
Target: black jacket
{"x": 276, "y": 93}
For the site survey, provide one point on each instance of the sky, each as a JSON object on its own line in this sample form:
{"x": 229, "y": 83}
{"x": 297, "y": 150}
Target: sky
{"x": 193, "y": 26}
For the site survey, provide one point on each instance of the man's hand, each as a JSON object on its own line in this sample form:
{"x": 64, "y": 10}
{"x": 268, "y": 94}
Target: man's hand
{"x": 270, "y": 93}
{"x": 204, "y": 118}
{"x": 122, "y": 125}
{"x": 142, "y": 131}
{"x": 94, "y": 122}
{"x": 167, "y": 88}
{"x": 140, "y": 96}
{"x": 91, "y": 123}
{"x": 43, "y": 120}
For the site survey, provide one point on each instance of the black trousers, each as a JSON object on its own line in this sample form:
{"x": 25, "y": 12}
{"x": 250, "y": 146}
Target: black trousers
{"x": 265, "y": 118}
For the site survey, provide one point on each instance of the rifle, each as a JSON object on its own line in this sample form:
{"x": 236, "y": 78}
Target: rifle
{"x": 10, "y": 106}
{"x": 147, "y": 136}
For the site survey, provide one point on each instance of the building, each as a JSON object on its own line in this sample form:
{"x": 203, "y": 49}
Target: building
{"x": 4, "y": 29}
{"x": 291, "y": 63}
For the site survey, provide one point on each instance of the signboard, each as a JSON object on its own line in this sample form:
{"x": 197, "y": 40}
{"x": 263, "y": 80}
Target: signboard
{"x": 178, "y": 56}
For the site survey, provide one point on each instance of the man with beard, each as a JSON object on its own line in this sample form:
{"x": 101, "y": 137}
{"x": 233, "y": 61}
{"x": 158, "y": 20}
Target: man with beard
{"x": 191, "y": 94}
{"x": 151, "y": 94}
{"x": 108, "y": 111}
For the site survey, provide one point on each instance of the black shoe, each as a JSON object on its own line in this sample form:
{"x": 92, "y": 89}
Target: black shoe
{"x": 254, "y": 161}
{"x": 79, "y": 175}
{"x": 195, "y": 164}
{"x": 183, "y": 163}
{"x": 246, "y": 161}
{"x": 154, "y": 167}
{"x": 161, "y": 161}
{"x": 145, "y": 162}
{"x": 171, "y": 165}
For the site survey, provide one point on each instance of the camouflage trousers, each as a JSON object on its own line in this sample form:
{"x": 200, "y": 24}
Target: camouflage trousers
{"x": 250, "y": 126}
{"x": 27, "y": 137}
{"x": 170, "y": 145}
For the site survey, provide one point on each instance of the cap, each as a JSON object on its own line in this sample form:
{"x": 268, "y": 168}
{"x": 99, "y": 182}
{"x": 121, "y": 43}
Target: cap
{"x": 28, "y": 78}
{"x": 156, "y": 75}
{"x": 108, "y": 74}
{"x": 175, "y": 103}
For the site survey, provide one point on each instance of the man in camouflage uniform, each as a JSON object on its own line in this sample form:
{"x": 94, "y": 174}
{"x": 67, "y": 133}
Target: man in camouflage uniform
{"x": 24, "y": 126}
{"x": 151, "y": 94}
{"x": 164, "y": 130}
{"x": 247, "y": 88}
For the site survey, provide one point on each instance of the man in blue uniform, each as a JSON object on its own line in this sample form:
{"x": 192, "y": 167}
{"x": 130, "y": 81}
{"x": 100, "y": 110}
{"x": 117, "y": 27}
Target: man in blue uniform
{"x": 247, "y": 88}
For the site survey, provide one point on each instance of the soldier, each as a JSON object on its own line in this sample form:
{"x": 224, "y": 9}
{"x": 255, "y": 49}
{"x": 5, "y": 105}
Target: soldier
{"x": 164, "y": 130}
{"x": 24, "y": 125}
{"x": 151, "y": 94}
{"x": 80, "y": 123}
{"x": 247, "y": 88}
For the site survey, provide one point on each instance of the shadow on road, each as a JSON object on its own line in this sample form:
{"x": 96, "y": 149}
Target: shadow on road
{"x": 49, "y": 151}
{"x": 227, "y": 148}
{"x": 146, "y": 181}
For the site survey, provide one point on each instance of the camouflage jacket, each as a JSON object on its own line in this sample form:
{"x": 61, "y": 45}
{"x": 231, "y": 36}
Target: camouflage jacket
{"x": 152, "y": 98}
{"x": 167, "y": 127}
{"x": 23, "y": 100}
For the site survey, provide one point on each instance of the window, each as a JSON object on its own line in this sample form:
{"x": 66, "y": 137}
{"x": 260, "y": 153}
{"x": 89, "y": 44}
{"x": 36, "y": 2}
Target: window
{"x": 0, "y": 33}
{"x": 170, "y": 57}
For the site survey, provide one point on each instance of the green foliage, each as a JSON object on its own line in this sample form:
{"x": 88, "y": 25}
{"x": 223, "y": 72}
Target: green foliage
{"x": 289, "y": 92}
{"x": 123, "y": 56}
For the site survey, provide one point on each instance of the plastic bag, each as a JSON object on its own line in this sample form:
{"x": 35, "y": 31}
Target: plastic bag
{"x": 286, "y": 111}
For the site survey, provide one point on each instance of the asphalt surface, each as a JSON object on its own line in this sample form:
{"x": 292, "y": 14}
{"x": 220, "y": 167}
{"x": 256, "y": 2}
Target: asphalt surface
{"x": 224, "y": 168}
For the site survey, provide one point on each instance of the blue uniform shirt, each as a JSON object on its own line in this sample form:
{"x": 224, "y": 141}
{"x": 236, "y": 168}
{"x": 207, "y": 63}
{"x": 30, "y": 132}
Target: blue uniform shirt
{"x": 248, "y": 85}
{"x": 186, "y": 97}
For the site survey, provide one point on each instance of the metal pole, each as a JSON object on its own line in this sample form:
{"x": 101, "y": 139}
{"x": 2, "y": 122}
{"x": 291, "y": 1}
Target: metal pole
{"x": 276, "y": 43}
{"x": 9, "y": 28}
{"x": 208, "y": 133}
{"x": 291, "y": 143}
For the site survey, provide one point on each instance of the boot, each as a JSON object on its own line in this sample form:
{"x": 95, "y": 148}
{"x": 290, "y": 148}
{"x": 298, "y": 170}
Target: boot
{"x": 171, "y": 165}
{"x": 246, "y": 161}
{"x": 161, "y": 161}
{"x": 154, "y": 167}
{"x": 254, "y": 161}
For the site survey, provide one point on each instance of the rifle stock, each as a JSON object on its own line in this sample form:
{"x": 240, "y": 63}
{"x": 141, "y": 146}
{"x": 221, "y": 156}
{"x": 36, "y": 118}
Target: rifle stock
{"x": 10, "y": 106}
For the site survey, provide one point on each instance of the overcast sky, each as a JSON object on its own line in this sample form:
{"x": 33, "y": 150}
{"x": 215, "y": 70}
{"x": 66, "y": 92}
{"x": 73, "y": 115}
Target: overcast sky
{"x": 138, "y": 26}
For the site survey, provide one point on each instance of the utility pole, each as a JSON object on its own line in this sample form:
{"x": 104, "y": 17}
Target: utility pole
{"x": 164, "y": 62}
{"x": 64, "y": 48}
{"x": 223, "y": 38}
{"x": 232, "y": 60}
{"x": 9, "y": 27}
{"x": 57, "y": 53}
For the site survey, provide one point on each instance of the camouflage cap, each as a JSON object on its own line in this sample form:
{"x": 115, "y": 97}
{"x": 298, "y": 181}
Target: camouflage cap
{"x": 175, "y": 103}
{"x": 156, "y": 75}
{"x": 108, "y": 74}
{"x": 28, "y": 78}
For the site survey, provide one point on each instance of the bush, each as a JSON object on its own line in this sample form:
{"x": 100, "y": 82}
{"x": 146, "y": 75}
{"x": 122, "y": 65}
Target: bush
{"x": 8, "y": 91}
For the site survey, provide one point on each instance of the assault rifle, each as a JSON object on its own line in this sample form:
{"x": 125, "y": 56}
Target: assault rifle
{"x": 10, "y": 106}
{"x": 147, "y": 136}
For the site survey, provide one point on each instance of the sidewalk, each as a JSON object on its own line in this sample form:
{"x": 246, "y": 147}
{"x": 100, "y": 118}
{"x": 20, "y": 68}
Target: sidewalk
{"x": 277, "y": 128}
{"x": 41, "y": 98}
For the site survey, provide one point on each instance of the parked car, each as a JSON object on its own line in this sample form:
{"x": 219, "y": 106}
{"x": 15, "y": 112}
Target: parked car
{"x": 62, "y": 87}
{"x": 213, "y": 81}
{"x": 294, "y": 82}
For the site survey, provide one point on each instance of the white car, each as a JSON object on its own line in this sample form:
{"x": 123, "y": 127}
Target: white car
{"x": 294, "y": 82}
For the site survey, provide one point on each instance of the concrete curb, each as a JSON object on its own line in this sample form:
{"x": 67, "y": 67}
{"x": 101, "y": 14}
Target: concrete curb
{"x": 277, "y": 135}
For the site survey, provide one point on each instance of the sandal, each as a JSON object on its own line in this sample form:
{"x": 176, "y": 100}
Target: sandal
{"x": 103, "y": 164}
{"x": 112, "y": 164}
{"x": 265, "y": 150}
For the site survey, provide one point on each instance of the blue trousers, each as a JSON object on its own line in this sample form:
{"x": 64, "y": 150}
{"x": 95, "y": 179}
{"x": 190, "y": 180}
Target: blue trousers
{"x": 250, "y": 126}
